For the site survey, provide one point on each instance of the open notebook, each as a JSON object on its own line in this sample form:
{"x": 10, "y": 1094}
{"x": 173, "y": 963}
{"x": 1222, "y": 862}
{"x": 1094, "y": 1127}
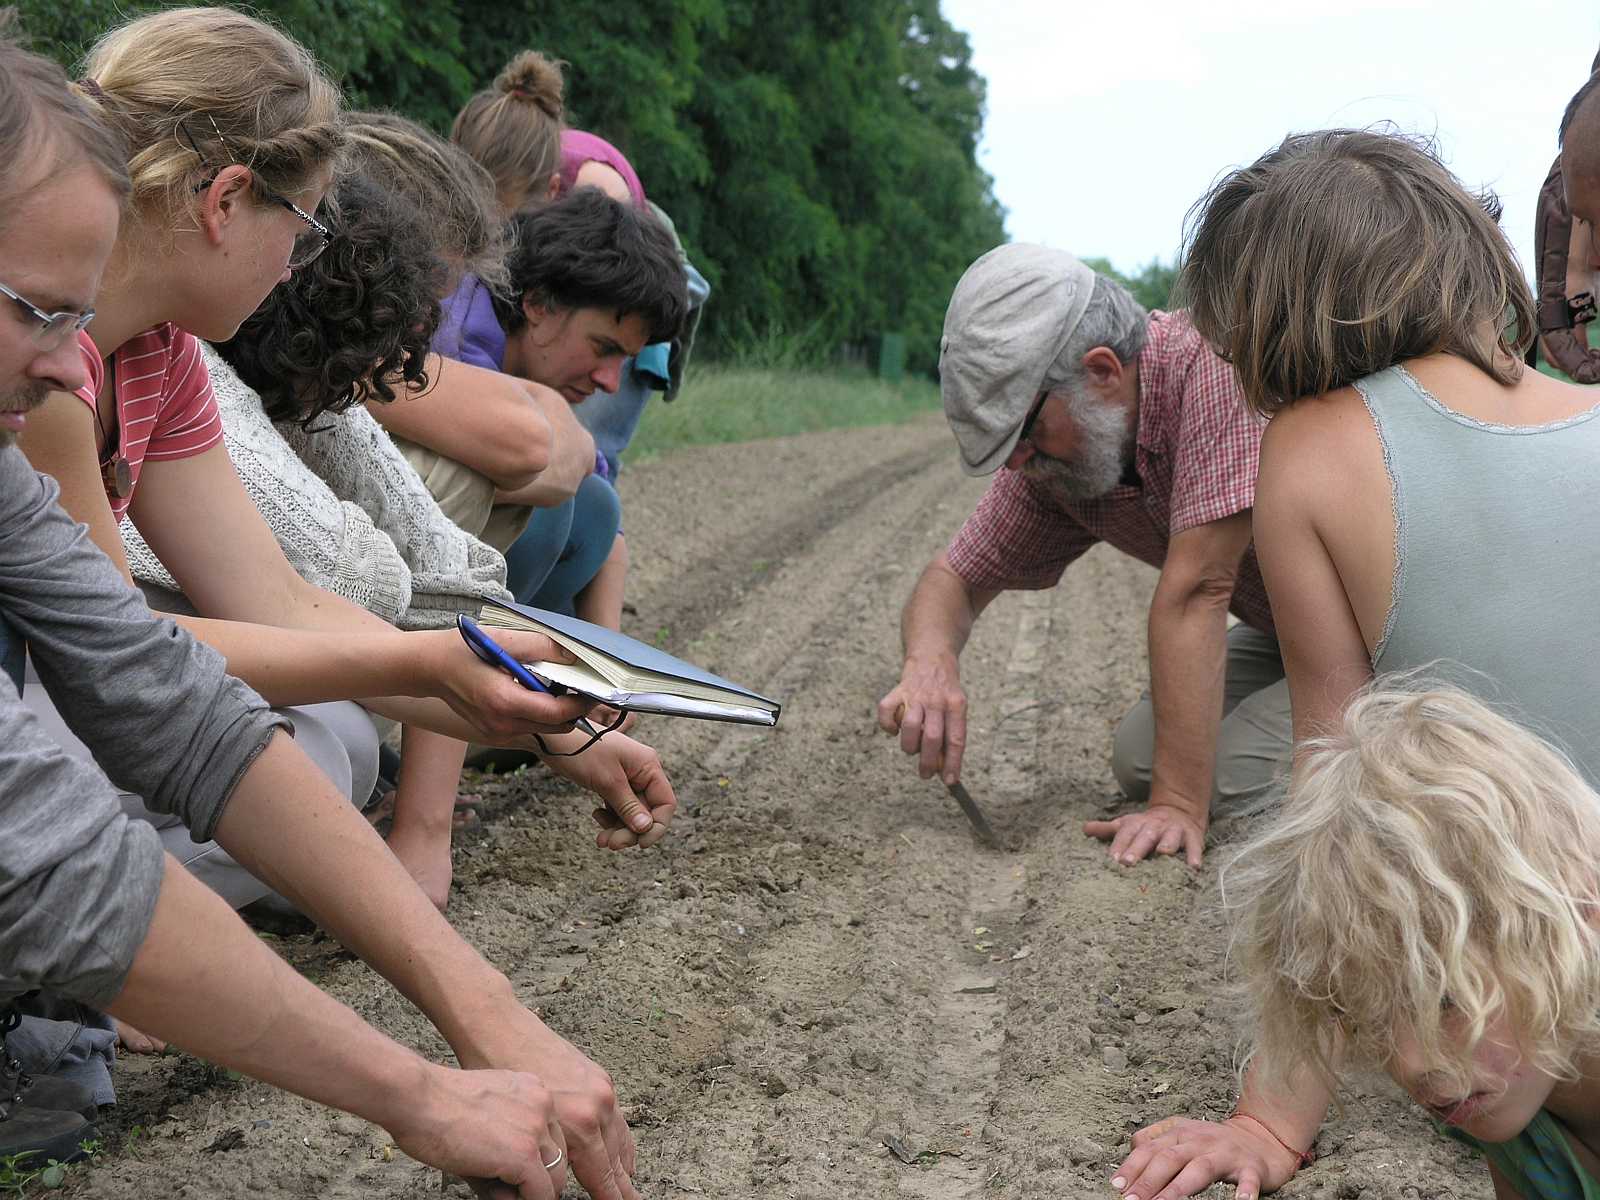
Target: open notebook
{"x": 626, "y": 673}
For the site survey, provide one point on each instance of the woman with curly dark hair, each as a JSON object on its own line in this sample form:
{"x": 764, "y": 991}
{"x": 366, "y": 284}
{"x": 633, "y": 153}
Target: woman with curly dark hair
{"x": 352, "y": 326}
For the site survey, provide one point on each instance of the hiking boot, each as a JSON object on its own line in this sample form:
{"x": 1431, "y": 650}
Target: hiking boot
{"x": 35, "y": 1135}
{"x": 40, "y": 1091}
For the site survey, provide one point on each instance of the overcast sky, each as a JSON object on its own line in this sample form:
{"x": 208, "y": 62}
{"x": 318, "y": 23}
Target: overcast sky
{"x": 1107, "y": 119}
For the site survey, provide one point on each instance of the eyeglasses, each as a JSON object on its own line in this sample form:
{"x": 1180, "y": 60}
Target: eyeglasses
{"x": 312, "y": 240}
{"x": 1033, "y": 415}
{"x": 50, "y": 329}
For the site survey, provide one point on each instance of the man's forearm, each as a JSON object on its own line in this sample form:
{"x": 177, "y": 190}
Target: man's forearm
{"x": 939, "y": 616}
{"x": 287, "y": 826}
{"x": 1188, "y": 665}
{"x": 202, "y": 981}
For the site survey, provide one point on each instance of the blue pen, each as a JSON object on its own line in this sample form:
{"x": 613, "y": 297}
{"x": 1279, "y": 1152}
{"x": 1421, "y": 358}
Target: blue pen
{"x": 486, "y": 648}
{"x": 491, "y": 652}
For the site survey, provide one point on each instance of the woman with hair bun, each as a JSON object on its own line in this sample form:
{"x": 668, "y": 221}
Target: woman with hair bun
{"x": 514, "y": 129}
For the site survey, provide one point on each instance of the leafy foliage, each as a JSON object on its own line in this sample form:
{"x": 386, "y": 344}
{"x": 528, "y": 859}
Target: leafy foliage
{"x": 1151, "y": 287}
{"x": 818, "y": 156}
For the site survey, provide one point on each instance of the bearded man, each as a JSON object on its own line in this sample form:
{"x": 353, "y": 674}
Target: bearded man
{"x": 1106, "y": 423}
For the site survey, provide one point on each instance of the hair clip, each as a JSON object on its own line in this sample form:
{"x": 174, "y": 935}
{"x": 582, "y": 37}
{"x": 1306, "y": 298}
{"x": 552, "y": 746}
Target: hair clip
{"x": 92, "y": 86}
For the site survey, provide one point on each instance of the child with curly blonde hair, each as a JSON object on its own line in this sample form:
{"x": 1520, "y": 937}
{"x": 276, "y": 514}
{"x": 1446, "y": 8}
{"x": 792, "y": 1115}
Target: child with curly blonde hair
{"x": 1427, "y": 902}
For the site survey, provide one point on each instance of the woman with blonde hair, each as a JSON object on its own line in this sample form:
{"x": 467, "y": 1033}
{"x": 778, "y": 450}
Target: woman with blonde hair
{"x": 513, "y": 128}
{"x": 1426, "y": 903}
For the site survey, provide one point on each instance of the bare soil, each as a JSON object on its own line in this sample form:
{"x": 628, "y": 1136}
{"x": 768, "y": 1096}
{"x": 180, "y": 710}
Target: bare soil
{"x": 821, "y": 956}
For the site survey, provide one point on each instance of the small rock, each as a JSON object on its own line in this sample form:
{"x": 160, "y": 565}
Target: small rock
{"x": 866, "y": 1060}
{"x": 775, "y": 1085}
{"x": 1136, "y": 918}
{"x": 1114, "y": 1059}
{"x": 1141, "y": 1018}
{"x": 1182, "y": 1018}
{"x": 1086, "y": 1150}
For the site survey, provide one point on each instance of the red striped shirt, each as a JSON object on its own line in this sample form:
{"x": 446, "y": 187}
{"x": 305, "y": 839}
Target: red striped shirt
{"x": 164, "y": 405}
{"x": 1196, "y": 453}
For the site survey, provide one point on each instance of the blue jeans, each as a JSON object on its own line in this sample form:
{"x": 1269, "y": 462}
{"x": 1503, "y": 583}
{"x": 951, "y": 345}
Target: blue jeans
{"x": 612, "y": 417}
{"x": 563, "y": 548}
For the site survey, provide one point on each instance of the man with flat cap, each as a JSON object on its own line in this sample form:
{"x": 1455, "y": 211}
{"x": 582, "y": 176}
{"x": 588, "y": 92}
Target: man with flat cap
{"x": 1105, "y": 423}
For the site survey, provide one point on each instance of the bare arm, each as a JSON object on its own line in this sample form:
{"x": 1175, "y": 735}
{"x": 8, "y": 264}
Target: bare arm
{"x": 1324, "y": 655}
{"x": 1188, "y": 666}
{"x": 571, "y": 459}
{"x": 928, "y": 707}
{"x": 601, "y": 599}
{"x": 1326, "y": 661}
{"x": 487, "y": 420}
{"x": 285, "y": 825}
{"x": 203, "y": 981}
{"x": 319, "y": 646}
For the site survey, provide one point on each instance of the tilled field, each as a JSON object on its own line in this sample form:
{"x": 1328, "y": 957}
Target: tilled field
{"x": 821, "y": 959}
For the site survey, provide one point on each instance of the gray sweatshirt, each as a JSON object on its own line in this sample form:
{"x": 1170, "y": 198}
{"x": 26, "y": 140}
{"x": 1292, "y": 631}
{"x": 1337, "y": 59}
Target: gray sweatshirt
{"x": 78, "y": 879}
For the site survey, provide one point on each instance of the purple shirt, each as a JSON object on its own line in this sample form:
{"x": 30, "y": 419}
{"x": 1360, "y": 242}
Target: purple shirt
{"x": 469, "y": 332}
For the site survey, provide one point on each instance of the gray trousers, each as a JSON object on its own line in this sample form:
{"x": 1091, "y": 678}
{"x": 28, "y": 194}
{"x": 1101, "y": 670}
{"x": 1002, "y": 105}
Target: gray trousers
{"x": 339, "y": 737}
{"x": 1255, "y": 740}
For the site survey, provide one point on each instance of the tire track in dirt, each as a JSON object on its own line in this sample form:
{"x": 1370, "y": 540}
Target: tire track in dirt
{"x": 970, "y": 1034}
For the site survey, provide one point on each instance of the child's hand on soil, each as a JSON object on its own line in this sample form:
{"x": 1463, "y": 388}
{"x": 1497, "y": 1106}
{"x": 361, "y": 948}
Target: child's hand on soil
{"x": 1180, "y": 1157}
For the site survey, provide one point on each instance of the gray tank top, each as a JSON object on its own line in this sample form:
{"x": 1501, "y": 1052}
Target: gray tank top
{"x": 1497, "y": 559}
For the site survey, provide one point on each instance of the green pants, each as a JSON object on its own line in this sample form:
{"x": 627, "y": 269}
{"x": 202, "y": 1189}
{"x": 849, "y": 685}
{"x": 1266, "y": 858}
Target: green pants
{"x": 1254, "y": 741}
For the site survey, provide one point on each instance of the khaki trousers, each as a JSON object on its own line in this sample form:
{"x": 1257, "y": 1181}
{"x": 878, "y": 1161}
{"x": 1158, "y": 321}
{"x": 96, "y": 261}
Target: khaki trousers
{"x": 1254, "y": 742}
{"x": 466, "y": 497}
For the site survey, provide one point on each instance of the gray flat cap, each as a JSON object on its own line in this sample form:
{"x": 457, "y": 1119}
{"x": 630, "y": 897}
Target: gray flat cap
{"x": 1009, "y": 319}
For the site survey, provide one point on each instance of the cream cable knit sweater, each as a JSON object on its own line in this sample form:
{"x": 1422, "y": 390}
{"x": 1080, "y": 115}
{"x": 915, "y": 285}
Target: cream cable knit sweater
{"x": 349, "y": 512}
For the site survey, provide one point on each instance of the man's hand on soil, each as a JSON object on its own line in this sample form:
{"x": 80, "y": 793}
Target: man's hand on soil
{"x": 599, "y": 1144}
{"x": 1179, "y": 1157}
{"x": 928, "y": 709}
{"x": 496, "y": 1128}
{"x": 1160, "y": 828}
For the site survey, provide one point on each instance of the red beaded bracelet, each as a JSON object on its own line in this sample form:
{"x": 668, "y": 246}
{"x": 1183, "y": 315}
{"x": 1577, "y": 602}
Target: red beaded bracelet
{"x": 1305, "y": 1156}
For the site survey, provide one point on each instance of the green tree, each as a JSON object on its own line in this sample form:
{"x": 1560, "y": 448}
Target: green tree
{"x": 818, "y": 156}
{"x": 1151, "y": 286}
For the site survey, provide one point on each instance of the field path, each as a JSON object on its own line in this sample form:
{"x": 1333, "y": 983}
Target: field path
{"x": 822, "y": 960}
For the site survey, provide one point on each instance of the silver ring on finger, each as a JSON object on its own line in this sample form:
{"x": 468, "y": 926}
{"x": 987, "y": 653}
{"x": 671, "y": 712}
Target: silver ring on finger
{"x": 556, "y": 1161}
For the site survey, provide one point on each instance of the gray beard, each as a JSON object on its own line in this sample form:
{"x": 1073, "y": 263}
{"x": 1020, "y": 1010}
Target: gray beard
{"x": 1104, "y": 452}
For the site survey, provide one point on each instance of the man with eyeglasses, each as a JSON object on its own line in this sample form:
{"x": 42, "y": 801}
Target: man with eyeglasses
{"x": 93, "y": 910}
{"x": 1118, "y": 425}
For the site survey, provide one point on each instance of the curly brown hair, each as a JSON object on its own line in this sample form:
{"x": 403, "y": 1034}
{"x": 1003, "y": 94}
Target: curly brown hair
{"x": 354, "y": 323}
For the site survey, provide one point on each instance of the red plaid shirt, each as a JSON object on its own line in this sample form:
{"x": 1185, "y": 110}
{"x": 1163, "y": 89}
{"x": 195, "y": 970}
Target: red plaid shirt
{"x": 1196, "y": 454}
